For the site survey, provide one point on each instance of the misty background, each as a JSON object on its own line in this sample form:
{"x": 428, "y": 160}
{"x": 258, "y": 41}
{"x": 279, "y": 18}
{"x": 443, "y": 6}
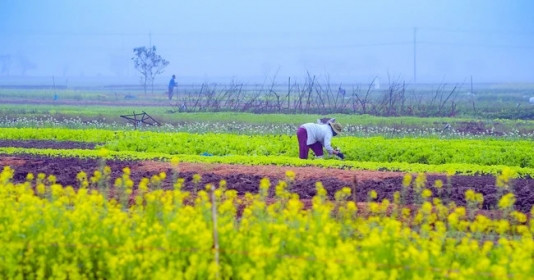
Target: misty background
{"x": 78, "y": 42}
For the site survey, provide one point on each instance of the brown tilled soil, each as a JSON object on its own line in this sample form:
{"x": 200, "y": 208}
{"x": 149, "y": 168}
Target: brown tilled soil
{"x": 246, "y": 178}
{"x": 46, "y": 144}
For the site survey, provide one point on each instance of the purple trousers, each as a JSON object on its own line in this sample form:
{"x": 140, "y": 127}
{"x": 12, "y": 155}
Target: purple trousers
{"x": 302, "y": 136}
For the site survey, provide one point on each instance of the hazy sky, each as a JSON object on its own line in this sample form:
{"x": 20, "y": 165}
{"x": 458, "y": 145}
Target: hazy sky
{"x": 252, "y": 40}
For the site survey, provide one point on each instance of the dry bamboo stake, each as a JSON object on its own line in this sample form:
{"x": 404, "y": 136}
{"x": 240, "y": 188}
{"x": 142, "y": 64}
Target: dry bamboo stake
{"x": 354, "y": 187}
{"x": 215, "y": 235}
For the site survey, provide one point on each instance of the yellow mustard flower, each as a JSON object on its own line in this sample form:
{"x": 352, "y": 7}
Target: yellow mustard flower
{"x": 506, "y": 201}
{"x": 290, "y": 175}
{"x": 373, "y": 194}
{"x": 426, "y": 193}
{"x": 407, "y": 180}
{"x": 103, "y": 153}
{"x": 29, "y": 177}
{"x": 197, "y": 178}
{"x": 470, "y": 195}
{"x": 420, "y": 180}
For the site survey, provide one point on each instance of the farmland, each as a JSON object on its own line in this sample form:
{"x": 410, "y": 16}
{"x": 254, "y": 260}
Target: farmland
{"x": 222, "y": 194}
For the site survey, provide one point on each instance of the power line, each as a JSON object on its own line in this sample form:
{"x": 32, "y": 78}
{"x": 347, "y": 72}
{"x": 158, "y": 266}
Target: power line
{"x": 480, "y": 31}
{"x": 166, "y": 33}
{"x": 477, "y": 45}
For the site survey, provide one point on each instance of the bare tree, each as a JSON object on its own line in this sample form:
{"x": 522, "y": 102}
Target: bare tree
{"x": 364, "y": 101}
{"x": 392, "y": 102}
{"x": 273, "y": 92}
{"x": 310, "y": 83}
{"x": 149, "y": 64}
{"x": 443, "y": 101}
{"x": 288, "y": 93}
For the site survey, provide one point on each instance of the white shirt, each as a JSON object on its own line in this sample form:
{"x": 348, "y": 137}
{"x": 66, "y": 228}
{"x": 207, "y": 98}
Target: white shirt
{"x": 319, "y": 133}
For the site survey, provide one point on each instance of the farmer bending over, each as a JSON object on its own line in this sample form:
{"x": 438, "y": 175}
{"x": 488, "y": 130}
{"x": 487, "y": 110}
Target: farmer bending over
{"x": 317, "y": 136}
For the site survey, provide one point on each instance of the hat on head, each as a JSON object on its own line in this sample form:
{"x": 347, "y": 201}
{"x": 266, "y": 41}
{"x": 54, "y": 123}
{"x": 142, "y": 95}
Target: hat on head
{"x": 336, "y": 127}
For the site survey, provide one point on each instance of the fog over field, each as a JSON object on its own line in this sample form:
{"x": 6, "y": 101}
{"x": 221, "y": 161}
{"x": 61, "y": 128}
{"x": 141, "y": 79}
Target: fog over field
{"x": 253, "y": 41}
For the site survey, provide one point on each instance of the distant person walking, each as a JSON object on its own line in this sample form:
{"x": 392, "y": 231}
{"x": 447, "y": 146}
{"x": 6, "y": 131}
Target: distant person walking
{"x": 316, "y": 136}
{"x": 172, "y": 85}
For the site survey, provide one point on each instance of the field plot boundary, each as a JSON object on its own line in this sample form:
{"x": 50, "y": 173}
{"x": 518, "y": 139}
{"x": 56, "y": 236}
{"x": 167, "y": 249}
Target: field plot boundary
{"x": 466, "y": 169}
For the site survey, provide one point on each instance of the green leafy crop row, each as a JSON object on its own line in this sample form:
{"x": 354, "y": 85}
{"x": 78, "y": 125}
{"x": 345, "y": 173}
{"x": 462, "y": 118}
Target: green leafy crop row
{"x": 377, "y": 149}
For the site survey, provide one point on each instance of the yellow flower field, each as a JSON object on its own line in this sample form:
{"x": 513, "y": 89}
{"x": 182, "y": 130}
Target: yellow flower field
{"x": 49, "y": 231}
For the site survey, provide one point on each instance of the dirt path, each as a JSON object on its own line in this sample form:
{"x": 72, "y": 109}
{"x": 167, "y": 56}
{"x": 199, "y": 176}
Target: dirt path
{"x": 272, "y": 171}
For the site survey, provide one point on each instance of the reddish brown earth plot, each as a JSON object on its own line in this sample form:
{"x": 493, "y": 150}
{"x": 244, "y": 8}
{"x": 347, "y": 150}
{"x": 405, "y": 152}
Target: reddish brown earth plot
{"x": 247, "y": 178}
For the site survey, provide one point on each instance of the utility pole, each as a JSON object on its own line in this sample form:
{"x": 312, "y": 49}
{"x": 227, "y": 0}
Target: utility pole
{"x": 414, "y": 55}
